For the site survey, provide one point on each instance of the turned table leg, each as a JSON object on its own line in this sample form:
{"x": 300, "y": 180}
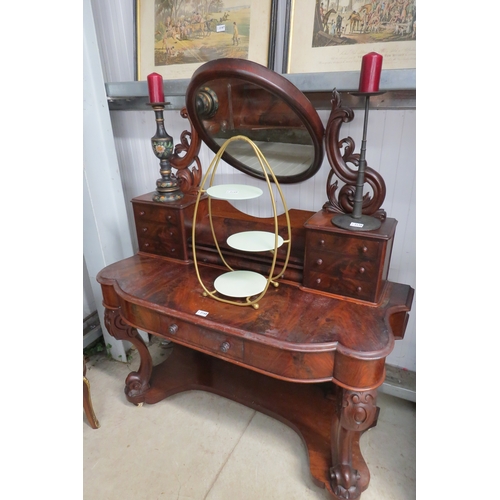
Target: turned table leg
{"x": 356, "y": 412}
{"x": 137, "y": 383}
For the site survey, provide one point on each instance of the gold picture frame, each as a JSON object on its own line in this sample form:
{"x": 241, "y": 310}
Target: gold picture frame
{"x": 173, "y": 38}
{"x": 333, "y": 35}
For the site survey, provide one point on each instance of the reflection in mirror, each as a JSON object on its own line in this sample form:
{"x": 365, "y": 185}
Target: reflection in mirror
{"x": 262, "y": 106}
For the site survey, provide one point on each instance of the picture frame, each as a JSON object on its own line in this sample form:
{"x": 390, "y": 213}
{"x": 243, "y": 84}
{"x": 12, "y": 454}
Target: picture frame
{"x": 174, "y": 41}
{"x": 317, "y": 41}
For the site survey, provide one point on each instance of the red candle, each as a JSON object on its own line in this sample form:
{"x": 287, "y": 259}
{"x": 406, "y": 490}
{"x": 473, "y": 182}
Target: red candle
{"x": 155, "y": 86}
{"x": 371, "y": 67}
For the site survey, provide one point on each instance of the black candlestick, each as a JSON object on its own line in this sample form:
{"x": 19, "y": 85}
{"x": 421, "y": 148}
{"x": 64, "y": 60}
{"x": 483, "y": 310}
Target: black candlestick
{"x": 167, "y": 187}
{"x": 356, "y": 221}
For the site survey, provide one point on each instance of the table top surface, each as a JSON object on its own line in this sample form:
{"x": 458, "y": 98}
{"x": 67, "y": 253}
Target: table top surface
{"x": 289, "y": 317}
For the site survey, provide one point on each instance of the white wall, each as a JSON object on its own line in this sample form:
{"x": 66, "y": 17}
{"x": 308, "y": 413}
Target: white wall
{"x": 89, "y": 305}
{"x": 391, "y": 149}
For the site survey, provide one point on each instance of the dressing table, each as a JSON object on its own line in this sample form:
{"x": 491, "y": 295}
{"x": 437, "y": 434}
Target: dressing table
{"x": 312, "y": 355}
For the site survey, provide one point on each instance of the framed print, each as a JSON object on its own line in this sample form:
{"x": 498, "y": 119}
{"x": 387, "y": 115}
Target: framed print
{"x": 175, "y": 37}
{"x": 334, "y": 35}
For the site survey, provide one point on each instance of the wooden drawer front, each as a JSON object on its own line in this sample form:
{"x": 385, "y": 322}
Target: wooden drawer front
{"x": 155, "y": 213}
{"x": 162, "y": 239}
{"x": 341, "y": 266}
{"x": 157, "y": 248}
{"x": 224, "y": 346}
{"x": 291, "y": 365}
{"x": 342, "y": 285}
{"x": 340, "y": 244}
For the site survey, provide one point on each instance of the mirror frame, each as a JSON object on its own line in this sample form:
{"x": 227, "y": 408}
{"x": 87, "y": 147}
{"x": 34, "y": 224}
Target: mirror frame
{"x": 275, "y": 84}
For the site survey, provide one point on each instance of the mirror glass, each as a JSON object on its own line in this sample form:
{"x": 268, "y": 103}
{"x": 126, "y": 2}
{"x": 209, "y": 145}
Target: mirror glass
{"x": 237, "y": 97}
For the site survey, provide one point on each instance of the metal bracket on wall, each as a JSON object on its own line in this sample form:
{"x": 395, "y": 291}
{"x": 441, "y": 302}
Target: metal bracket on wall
{"x": 395, "y": 99}
{"x": 399, "y": 87}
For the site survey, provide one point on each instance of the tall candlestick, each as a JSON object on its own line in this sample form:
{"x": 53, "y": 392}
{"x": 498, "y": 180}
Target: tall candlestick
{"x": 155, "y": 86}
{"x": 357, "y": 221}
{"x": 371, "y": 67}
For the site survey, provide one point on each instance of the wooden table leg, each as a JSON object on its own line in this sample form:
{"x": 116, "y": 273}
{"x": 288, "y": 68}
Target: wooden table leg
{"x": 137, "y": 383}
{"x": 356, "y": 412}
{"x": 87, "y": 401}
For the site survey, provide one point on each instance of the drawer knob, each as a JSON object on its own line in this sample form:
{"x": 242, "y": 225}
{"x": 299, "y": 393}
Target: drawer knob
{"x": 359, "y": 289}
{"x": 172, "y": 329}
{"x": 321, "y": 242}
{"x": 169, "y": 217}
{"x": 365, "y": 249}
{"x": 225, "y": 346}
{"x": 361, "y": 270}
{"x": 319, "y": 262}
{"x": 146, "y": 245}
{"x": 144, "y": 229}
{"x": 318, "y": 280}
{"x": 142, "y": 212}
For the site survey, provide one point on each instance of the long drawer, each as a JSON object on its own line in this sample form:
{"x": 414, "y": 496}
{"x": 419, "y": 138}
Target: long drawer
{"x": 296, "y": 364}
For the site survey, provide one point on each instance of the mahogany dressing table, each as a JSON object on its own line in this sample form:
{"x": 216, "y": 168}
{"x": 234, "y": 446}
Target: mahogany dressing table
{"x": 313, "y": 354}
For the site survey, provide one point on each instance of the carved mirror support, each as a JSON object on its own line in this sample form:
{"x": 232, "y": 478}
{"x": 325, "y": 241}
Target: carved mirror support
{"x": 184, "y": 155}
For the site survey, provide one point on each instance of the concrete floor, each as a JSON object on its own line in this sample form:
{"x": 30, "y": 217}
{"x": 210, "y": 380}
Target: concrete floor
{"x": 197, "y": 446}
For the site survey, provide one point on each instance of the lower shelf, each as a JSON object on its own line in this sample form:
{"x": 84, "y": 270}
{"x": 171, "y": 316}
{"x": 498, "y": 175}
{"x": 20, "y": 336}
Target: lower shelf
{"x": 306, "y": 408}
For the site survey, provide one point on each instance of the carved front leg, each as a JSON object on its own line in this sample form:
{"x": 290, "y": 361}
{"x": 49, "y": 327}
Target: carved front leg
{"x": 356, "y": 413}
{"x": 137, "y": 383}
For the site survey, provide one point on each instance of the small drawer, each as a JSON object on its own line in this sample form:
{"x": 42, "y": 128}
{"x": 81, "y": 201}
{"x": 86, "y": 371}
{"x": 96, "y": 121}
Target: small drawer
{"x": 339, "y": 243}
{"x": 160, "y": 231}
{"x": 340, "y": 266}
{"x": 355, "y": 288}
{"x": 159, "y": 239}
{"x": 206, "y": 340}
{"x": 155, "y": 213}
{"x": 158, "y": 248}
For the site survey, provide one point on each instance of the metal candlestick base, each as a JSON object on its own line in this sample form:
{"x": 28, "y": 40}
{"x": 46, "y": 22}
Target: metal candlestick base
{"x": 167, "y": 187}
{"x": 363, "y": 223}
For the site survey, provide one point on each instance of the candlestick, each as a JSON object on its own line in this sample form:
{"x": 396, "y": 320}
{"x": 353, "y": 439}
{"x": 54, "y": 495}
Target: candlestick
{"x": 167, "y": 187}
{"x": 356, "y": 221}
{"x": 155, "y": 87}
{"x": 371, "y": 68}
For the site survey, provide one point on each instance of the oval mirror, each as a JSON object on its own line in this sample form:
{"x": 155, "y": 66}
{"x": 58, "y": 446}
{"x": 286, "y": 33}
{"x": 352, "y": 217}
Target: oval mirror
{"x": 229, "y": 97}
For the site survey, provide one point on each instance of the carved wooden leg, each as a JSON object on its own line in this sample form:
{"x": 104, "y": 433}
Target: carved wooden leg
{"x": 87, "y": 401}
{"x": 137, "y": 383}
{"x": 357, "y": 412}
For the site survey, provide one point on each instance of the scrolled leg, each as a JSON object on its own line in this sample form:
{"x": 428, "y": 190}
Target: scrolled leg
{"x": 357, "y": 412}
{"x": 137, "y": 383}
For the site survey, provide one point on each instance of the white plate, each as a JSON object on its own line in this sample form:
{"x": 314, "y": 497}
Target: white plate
{"x": 234, "y": 192}
{"x": 254, "y": 241}
{"x": 240, "y": 284}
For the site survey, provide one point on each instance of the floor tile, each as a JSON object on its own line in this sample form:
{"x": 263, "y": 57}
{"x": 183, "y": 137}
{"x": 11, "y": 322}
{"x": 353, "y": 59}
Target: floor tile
{"x": 270, "y": 462}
